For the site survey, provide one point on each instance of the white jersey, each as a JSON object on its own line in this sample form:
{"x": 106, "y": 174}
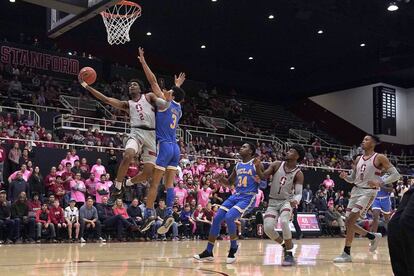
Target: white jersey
{"x": 366, "y": 171}
{"x": 72, "y": 215}
{"x": 141, "y": 113}
{"x": 282, "y": 187}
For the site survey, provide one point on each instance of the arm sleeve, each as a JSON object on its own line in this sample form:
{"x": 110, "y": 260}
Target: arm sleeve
{"x": 298, "y": 192}
{"x": 393, "y": 175}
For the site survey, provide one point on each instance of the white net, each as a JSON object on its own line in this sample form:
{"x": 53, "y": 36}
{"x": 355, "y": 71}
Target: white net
{"x": 118, "y": 20}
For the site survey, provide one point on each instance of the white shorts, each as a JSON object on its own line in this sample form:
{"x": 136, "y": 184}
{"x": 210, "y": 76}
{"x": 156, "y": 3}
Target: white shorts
{"x": 276, "y": 207}
{"x": 143, "y": 143}
{"x": 360, "y": 201}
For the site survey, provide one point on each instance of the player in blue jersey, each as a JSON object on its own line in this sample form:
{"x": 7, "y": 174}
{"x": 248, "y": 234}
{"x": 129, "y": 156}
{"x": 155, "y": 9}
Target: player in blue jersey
{"x": 167, "y": 117}
{"x": 244, "y": 178}
{"x": 382, "y": 203}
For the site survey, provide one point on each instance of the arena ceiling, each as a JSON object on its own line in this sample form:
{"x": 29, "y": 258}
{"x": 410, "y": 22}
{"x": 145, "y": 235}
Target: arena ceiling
{"x": 235, "y": 30}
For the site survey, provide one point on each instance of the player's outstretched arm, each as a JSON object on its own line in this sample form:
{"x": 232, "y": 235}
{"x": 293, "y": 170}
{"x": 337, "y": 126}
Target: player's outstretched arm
{"x": 150, "y": 75}
{"x": 265, "y": 174}
{"x": 178, "y": 81}
{"x": 121, "y": 105}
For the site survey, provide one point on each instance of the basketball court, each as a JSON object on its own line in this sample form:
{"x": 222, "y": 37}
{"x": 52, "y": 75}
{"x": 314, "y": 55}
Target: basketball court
{"x": 256, "y": 257}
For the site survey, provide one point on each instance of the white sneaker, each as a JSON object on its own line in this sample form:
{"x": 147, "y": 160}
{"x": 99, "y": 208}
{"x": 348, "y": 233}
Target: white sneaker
{"x": 374, "y": 243}
{"x": 343, "y": 258}
{"x": 101, "y": 239}
{"x": 82, "y": 240}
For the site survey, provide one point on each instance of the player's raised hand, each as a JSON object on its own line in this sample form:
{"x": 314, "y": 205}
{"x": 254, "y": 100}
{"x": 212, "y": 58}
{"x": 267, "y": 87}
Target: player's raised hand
{"x": 141, "y": 57}
{"x": 180, "y": 80}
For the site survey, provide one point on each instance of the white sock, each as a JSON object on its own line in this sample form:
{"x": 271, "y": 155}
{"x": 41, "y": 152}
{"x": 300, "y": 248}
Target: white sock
{"x": 118, "y": 185}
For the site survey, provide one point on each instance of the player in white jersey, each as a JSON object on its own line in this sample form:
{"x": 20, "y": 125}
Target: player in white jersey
{"x": 141, "y": 110}
{"x": 285, "y": 194}
{"x": 366, "y": 176}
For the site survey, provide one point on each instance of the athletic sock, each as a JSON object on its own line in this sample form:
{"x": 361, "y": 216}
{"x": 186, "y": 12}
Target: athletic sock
{"x": 233, "y": 244}
{"x": 210, "y": 247}
{"x": 347, "y": 250}
{"x": 289, "y": 252}
{"x": 370, "y": 236}
{"x": 170, "y": 200}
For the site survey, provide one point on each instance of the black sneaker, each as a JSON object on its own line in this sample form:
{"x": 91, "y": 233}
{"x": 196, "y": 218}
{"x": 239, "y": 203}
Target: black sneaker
{"x": 288, "y": 260}
{"x": 147, "y": 224}
{"x": 116, "y": 194}
{"x": 205, "y": 256}
{"x": 168, "y": 221}
{"x": 231, "y": 257}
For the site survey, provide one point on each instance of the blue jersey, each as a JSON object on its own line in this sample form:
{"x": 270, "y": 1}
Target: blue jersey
{"x": 245, "y": 178}
{"x": 167, "y": 122}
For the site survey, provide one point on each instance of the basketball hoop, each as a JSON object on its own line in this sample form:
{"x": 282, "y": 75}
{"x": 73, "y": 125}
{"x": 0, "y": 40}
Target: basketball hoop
{"x": 118, "y": 20}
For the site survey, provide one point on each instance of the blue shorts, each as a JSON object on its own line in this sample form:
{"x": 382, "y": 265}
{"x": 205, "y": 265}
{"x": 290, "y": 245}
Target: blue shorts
{"x": 168, "y": 155}
{"x": 383, "y": 204}
{"x": 241, "y": 202}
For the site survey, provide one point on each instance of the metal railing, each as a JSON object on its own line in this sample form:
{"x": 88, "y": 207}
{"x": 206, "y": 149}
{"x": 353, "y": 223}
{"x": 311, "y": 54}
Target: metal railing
{"x": 77, "y": 103}
{"x": 44, "y": 108}
{"x": 22, "y": 111}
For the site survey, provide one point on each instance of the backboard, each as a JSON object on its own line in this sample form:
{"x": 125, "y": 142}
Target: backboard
{"x": 64, "y": 15}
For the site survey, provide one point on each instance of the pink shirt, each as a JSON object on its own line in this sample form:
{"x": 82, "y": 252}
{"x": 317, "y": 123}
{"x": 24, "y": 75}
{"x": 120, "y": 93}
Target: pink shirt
{"x": 122, "y": 212}
{"x": 101, "y": 186}
{"x": 259, "y": 198}
{"x": 78, "y": 189}
{"x": 26, "y": 175}
{"x": 203, "y": 196}
{"x": 91, "y": 186}
{"x": 329, "y": 183}
{"x": 64, "y": 161}
{"x": 221, "y": 171}
{"x": 186, "y": 171}
{"x": 73, "y": 158}
{"x": 181, "y": 194}
{"x": 98, "y": 170}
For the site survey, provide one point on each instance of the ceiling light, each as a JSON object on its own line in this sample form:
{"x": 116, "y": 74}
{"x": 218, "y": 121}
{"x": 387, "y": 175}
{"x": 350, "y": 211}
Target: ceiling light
{"x": 362, "y": 44}
{"x": 213, "y": 0}
{"x": 250, "y": 58}
{"x": 392, "y": 7}
{"x": 292, "y": 68}
{"x": 320, "y": 32}
{"x": 203, "y": 46}
{"x": 70, "y": 53}
{"x": 149, "y": 33}
{"x": 271, "y": 16}
{"x": 12, "y": 1}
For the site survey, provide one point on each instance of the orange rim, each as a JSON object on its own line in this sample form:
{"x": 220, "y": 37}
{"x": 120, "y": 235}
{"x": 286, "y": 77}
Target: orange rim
{"x": 125, "y": 3}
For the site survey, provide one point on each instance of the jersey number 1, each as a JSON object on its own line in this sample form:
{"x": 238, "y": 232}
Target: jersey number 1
{"x": 242, "y": 181}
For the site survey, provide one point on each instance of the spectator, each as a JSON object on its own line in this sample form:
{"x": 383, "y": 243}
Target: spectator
{"x": 108, "y": 217}
{"x": 7, "y": 225}
{"x": 68, "y": 159}
{"x": 102, "y": 189}
{"x": 88, "y": 216}
{"x": 161, "y": 216}
{"x": 85, "y": 168}
{"x": 307, "y": 196}
{"x": 134, "y": 212}
{"x": 133, "y": 169}
{"x": 57, "y": 217}
{"x": 204, "y": 195}
{"x": 98, "y": 169}
{"x": 15, "y": 86}
{"x": 186, "y": 221}
{"x": 259, "y": 198}
{"x": 90, "y": 184}
{"x": 17, "y": 186}
{"x": 328, "y": 183}
{"x": 14, "y": 156}
{"x": 334, "y": 219}
{"x": 36, "y": 183}
{"x": 72, "y": 220}
{"x": 316, "y": 145}
{"x": 2, "y": 159}
{"x": 43, "y": 222}
{"x": 50, "y": 178}
{"x": 76, "y": 168}
{"x": 34, "y": 205}
{"x": 181, "y": 193}
{"x": 320, "y": 202}
{"x": 20, "y": 213}
{"x": 78, "y": 138}
{"x": 78, "y": 190}
{"x": 57, "y": 189}
{"x": 112, "y": 162}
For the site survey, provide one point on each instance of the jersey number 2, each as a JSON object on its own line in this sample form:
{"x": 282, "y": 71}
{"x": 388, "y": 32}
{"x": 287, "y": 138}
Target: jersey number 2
{"x": 174, "y": 123}
{"x": 242, "y": 181}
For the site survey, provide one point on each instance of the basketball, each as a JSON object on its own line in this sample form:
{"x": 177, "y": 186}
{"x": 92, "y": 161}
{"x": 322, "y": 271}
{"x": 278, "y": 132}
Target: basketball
{"x": 88, "y": 74}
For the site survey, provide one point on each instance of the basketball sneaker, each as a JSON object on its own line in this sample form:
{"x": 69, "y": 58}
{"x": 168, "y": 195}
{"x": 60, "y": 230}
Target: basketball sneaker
{"x": 374, "y": 243}
{"x": 148, "y": 223}
{"x": 343, "y": 258}
{"x": 231, "y": 257}
{"x": 165, "y": 225}
{"x": 116, "y": 194}
{"x": 288, "y": 260}
{"x": 204, "y": 257}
